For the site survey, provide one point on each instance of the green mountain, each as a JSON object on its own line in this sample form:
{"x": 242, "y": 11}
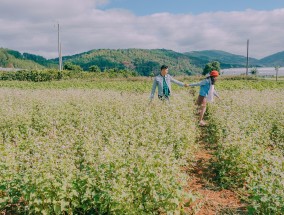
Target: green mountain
{"x": 143, "y": 61}
{"x": 227, "y": 60}
{"x": 14, "y": 59}
{"x": 274, "y": 60}
{"x": 40, "y": 60}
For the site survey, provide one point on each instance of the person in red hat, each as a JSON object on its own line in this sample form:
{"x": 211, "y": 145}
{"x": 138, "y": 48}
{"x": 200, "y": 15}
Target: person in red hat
{"x": 206, "y": 93}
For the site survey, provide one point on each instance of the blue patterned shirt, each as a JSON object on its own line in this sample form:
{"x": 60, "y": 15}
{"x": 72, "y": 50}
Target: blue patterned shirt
{"x": 204, "y": 87}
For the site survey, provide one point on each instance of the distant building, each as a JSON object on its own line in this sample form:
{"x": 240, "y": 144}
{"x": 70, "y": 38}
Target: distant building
{"x": 262, "y": 71}
{"x": 9, "y": 69}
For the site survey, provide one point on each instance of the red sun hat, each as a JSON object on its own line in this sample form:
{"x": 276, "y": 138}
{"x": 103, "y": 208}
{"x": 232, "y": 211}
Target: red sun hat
{"x": 214, "y": 73}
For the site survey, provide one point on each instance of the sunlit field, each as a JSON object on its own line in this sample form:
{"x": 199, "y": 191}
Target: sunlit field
{"x": 100, "y": 147}
{"x": 93, "y": 151}
{"x": 248, "y": 127}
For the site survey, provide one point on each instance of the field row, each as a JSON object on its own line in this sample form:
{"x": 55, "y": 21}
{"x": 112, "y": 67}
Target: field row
{"x": 92, "y": 151}
{"x": 248, "y": 127}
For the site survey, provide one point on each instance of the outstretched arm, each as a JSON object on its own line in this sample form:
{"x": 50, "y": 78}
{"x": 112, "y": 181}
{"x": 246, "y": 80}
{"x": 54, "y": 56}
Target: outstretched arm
{"x": 203, "y": 82}
{"x": 179, "y": 82}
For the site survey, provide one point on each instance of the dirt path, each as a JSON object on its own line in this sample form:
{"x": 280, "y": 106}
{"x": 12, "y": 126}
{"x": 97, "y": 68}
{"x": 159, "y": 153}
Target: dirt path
{"x": 211, "y": 198}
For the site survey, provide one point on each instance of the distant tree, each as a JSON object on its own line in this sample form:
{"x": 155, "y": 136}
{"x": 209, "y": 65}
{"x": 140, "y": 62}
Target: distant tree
{"x": 146, "y": 67}
{"x": 16, "y": 54}
{"x": 276, "y": 70}
{"x": 254, "y": 71}
{"x": 37, "y": 58}
{"x": 214, "y": 65}
{"x": 71, "y": 66}
{"x": 188, "y": 72}
{"x": 128, "y": 65}
{"x": 94, "y": 68}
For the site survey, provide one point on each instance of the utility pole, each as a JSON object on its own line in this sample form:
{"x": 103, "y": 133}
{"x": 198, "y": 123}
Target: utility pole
{"x": 60, "y": 58}
{"x": 59, "y": 50}
{"x": 276, "y": 69}
{"x": 247, "y": 56}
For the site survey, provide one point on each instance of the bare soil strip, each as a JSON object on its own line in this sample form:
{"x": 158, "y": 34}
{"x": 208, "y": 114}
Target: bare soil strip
{"x": 211, "y": 198}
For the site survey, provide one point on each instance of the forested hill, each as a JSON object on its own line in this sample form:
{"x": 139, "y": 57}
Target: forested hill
{"x": 14, "y": 59}
{"x": 274, "y": 60}
{"x": 143, "y": 61}
{"x": 147, "y": 61}
{"x": 227, "y": 60}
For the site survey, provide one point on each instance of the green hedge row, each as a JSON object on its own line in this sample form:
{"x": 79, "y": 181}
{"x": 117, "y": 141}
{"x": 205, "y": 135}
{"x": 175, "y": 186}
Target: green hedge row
{"x": 31, "y": 75}
{"x": 52, "y": 74}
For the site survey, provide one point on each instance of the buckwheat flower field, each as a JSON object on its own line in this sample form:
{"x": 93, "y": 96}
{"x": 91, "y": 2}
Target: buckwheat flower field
{"x": 93, "y": 151}
{"x": 249, "y": 129}
{"x": 99, "y": 146}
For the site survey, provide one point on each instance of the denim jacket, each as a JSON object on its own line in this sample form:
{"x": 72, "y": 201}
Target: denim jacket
{"x": 158, "y": 81}
{"x": 204, "y": 87}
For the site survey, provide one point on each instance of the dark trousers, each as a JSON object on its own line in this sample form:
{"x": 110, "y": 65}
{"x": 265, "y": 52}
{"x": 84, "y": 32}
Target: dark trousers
{"x": 163, "y": 98}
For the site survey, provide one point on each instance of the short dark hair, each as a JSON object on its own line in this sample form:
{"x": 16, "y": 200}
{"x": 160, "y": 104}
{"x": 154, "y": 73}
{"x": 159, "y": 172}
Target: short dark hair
{"x": 164, "y": 67}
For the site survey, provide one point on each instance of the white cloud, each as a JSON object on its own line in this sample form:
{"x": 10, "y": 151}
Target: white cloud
{"x": 31, "y": 26}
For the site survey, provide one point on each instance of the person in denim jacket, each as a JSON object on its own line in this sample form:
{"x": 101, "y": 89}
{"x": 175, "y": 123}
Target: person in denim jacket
{"x": 163, "y": 82}
{"x": 203, "y": 93}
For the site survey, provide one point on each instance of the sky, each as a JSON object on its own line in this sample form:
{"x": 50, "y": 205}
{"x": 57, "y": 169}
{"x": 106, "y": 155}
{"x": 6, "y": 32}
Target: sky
{"x": 180, "y": 25}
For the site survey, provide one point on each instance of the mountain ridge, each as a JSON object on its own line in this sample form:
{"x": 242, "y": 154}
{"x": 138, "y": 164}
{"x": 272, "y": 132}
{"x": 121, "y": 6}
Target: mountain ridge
{"x": 143, "y": 61}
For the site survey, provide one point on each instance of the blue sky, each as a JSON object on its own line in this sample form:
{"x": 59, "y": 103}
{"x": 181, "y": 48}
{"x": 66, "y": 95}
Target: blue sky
{"x": 178, "y": 25}
{"x": 148, "y": 7}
